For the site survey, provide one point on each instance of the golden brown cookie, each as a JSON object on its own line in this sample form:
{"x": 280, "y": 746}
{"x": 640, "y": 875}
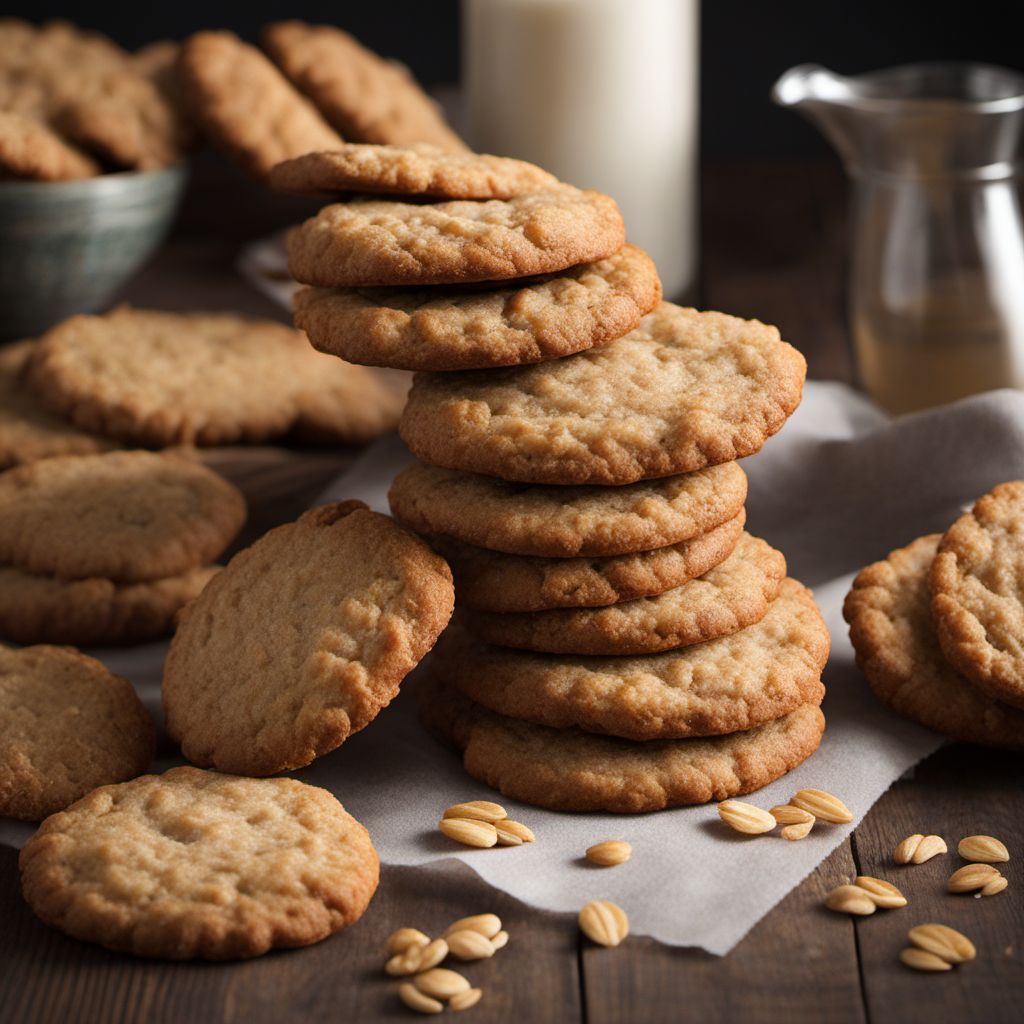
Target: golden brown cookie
{"x": 977, "y": 601}
{"x": 302, "y": 640}
{"x": 158, "y": 62}
{"x": 491, "y": 581}
{"x": 195, "y": 864}
{"x": 66, "y": 726}
{"x": 27, "y": 431}
{"x": 44, "y": 68}
{"x": 365, "y": 97}
{"x": 418, "y": 169}
{"x": 341, "y": 404}
{"x": 725, "y": 685}
{"x": 732, "y": 596}
{"x": 458, "y": 328}
{"x": 683, "y": 391}
{"x": 570, "y": 770}
{"x": 124, "y": 118}
{"x": 156, "y": 379}
{"x": 382, "y": 242}
{"x": 246, "y": 105}
{"x": 123, "y": 516}
{"x": 30, "y": 149}
{"x": 566, "y": 522}
{"x": 92, "y": 612}
{"x": 891, "y": 628}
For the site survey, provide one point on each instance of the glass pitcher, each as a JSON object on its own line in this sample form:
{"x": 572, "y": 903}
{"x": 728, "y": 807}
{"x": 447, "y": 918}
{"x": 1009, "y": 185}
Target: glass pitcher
{"x": 936, "y": 285}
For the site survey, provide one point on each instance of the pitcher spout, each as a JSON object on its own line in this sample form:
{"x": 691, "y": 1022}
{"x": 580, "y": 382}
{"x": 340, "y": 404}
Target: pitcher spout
{"x": 810, "y": 83}
{"x": 827, "y": 100}
{"x": 923, "y": 120}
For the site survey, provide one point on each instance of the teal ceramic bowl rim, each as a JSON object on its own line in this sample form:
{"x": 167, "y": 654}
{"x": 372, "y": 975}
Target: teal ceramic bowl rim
{"x": 101, "y": 184}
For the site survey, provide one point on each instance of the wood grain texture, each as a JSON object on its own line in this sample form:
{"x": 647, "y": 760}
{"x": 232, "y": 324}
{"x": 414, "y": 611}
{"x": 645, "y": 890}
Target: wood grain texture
{"x": 959, "y": 791}
{"x": 47, "y": 977}
{"x": 798, "y": 963}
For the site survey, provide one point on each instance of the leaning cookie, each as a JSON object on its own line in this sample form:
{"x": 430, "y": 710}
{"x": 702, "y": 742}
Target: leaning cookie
{"x": 128, "y": 516}
{"x": 122, "y": 116}
{"x": 891, "y": 628}
{"x": 380, "y": 242}
{"x": 458, "y": 329}
{"x": 302, "y": 640}
{"x": 93, "y": 612}
{"x": 570, "y": 770}
{"x": 683, "y": 391}
{"x": 976, "y": 595}
{"x": 491, "y": 581}
{"x": 418, "y": 169}
{"x": 735, "y": 594}
{"x": 67, "y": 725}
{"x": 246, "y": 105}
{"x": 194, "y": 864}
{"x": 30, "y": 150}
{"x": 365, "y": 97}
{"x": 726, "y": 685}
{"x": 567, "y": 522}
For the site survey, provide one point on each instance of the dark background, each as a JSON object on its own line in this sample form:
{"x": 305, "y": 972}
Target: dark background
{"x": 745, "y": 46}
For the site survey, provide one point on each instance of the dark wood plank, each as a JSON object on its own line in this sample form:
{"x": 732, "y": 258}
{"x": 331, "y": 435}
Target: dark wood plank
{"x": 793, "y": 961}
{"x": 960, "y": 791}
{"x": 773, "y": 248}
{"x": 47, "y": 977}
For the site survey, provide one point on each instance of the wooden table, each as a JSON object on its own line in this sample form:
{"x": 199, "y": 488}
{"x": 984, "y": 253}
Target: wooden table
{"x": 774, "y": 239}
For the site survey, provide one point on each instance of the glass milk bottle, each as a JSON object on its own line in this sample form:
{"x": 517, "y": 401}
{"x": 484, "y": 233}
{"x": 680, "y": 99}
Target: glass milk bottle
{"x": 602, "y": 93}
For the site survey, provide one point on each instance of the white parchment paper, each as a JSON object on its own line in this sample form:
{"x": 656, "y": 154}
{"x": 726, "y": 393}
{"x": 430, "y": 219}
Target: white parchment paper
{"x": 839, "y": 487}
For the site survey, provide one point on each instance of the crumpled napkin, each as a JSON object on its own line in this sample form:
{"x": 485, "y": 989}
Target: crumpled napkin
{"x": 839, "y": 487}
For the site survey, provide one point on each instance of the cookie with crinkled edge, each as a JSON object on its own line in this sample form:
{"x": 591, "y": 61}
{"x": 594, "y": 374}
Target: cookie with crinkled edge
{"x": 725, "y": 685}
{"x": 246, "y": 106}
{"x": 977, "y": 602}
{"x": 365, "y": 97}
{"x": 27, "y": 431}
{"x": 193, "y": 864}
{"x": 382, "y": 242}
{"x": 566, "y": 522}
{"x": 733, "y": 595}
{"x": 67, "y": 725}
{"x": 570, "y": 770}
{"x": 891, "y": 628}
{"x": 302, "y": 639}
{"x": 458, "y": 329}
{"x": 45, "y": 610}
{"x": 418, "y": 169}
{"x": 491, "y": 581}
{"x": 683, "y": 391}
{"x": 124, "y": 516}
{"x": 30, "y": 149}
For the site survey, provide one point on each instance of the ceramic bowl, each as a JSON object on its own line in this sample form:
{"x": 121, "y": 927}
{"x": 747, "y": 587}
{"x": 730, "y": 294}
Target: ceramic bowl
{"x": 67, "y": 246}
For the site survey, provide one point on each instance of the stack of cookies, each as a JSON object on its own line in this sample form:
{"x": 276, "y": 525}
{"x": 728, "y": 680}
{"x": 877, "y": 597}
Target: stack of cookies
{"x": 107, "y": 548}
{"x": 937, "y": 626}
{"x": 622, "y": 643}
